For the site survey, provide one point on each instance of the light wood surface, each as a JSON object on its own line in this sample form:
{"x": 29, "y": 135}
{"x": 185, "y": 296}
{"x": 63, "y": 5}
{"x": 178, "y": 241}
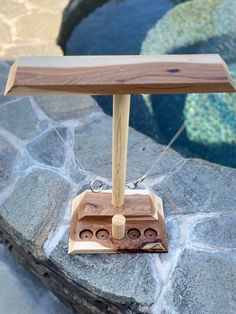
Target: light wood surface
{"x": 120, "y": 129}
{"x": 92, "y": 231}
{"x": 131, "y": 208}
{"x": 110, "y": 75}
{"x": 118, "y": 227}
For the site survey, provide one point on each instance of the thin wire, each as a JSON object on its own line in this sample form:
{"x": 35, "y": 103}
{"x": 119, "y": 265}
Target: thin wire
{"x": 75, "y": 160}
{"x": 134, "y": 182}
{"x": 141, "y": 179}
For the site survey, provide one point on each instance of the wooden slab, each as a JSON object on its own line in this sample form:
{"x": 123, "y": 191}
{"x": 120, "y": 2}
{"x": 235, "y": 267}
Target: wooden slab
{"x": 99, "y": 75}
{"x": 91, "y": 223}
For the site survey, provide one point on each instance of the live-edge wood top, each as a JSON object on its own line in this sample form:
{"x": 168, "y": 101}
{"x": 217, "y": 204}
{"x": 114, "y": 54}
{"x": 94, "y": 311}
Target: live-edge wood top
{"x": 107, "y": 75}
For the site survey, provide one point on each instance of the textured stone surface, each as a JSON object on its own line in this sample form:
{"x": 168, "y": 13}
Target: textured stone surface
{"x": 141, "y": 153}
{"x": 203, "y": 283}
{"x": 5, "y": 33}
{"x": 34, "y": 208}
{"x": 32, "y": 49}
{"x": 8, "y": 156}
{"x": 125, "y": 279}
{"x": 22, "y": 292}
{"x": 38, "y": 21}
{"x": 54, "y": 5}
{"x": 20, "y": 119}
{"x": 218, "y": 231}
{"x": 64, "y": 107}
{"x": 49, "y": 148}
{"x": 30, "y": 27}
{"x": 11, "y": 8}
{"x": 198, "y": 186}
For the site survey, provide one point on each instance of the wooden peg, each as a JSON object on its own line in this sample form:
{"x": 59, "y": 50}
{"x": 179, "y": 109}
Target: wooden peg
{"x": 118, "y": 226}
{"x": 121, "y": 109}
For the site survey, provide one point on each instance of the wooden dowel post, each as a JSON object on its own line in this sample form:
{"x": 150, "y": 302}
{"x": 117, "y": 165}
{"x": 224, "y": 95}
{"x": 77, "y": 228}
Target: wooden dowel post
{"x": 118, "y": 227}
{"x": 121, "y": 109}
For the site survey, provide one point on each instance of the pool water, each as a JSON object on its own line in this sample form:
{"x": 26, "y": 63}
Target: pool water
{"x": 159, "y": 27}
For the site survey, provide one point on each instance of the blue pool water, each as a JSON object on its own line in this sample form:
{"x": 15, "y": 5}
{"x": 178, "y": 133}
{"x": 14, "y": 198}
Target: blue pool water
{"x": 160, "y": 26}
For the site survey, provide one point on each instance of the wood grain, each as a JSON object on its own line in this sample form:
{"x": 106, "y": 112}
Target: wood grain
{"x": 135, "y": 205}
{"x": 118, "y": 226}
{"x": 97, "y": 226}
{"x": 120, "y": 130}
{"x": 109, "y": 75}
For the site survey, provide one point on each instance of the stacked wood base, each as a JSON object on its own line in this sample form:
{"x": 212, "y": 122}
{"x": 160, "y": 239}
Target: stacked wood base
{"x": 91, "y": 223}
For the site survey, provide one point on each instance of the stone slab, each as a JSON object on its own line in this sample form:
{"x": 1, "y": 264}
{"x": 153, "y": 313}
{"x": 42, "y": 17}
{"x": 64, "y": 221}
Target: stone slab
{"x": 49, "y": 147}
{"x": 198, "y": 186}
{"x": 203, "y": 283}
{"x": 34, "y": 209}
{"x": 124, "y": 278}
{"x": 66, "y": 107}
{"x": 20, "y": 119}
{"x": 217, "y": 232}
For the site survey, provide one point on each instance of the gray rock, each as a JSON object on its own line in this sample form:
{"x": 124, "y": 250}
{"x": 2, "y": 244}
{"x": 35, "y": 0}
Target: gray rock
{"x": 94, "y": 149}
{"x": 49, "y": 148}
{"x": 173, "y": 230}
{"x": 65, "y": 107}
{"x": 34, "y": 209}
{"x": 198, "y": 186}
{"x": 203, "y": 283}
{"x": 23, "y": 292}
{"x": 218, "y": 232}
{"x": 8, "y": 157}
{"x": 120, "y": 278}
{"x": 20, "y": 119}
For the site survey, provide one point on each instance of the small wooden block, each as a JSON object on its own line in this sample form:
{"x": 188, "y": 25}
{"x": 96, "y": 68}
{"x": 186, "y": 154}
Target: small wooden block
{"x": 91, "y": 223}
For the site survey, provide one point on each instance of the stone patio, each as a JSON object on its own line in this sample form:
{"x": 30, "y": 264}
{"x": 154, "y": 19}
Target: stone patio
{"x": 26, "y": 27}
{"x": 38, "y": 178}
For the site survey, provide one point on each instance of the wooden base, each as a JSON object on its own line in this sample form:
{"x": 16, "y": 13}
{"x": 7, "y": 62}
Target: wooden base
{"x": 91, "y": 223}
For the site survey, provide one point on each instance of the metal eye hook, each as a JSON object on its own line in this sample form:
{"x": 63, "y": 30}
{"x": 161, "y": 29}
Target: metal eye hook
{"x": 97, "y": 183}
{"x": 133, "y": 185}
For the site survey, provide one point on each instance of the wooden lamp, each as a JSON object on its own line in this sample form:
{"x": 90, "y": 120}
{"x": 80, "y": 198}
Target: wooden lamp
{"x": 119, "y": 220}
